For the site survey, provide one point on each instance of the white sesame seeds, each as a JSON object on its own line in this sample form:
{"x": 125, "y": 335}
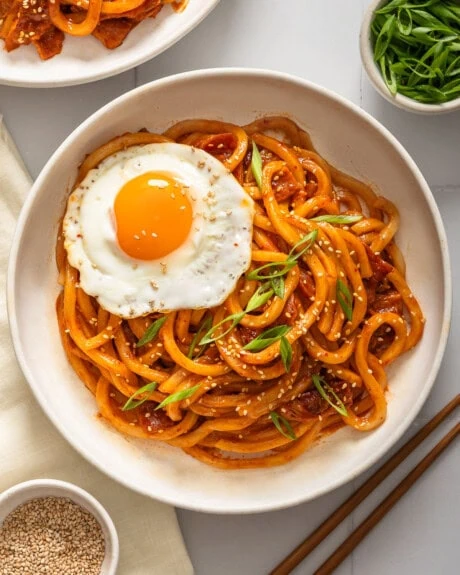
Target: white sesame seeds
{"x": 51, "y": 535}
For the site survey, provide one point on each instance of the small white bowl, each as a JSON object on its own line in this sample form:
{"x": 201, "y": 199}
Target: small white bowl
{"x": 375, "y": 76}
{"x": 38, "y": 488}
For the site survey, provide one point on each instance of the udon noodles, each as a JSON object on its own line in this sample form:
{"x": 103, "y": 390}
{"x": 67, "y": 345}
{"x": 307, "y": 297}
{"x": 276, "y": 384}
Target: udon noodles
{"x": 321, "y": 312}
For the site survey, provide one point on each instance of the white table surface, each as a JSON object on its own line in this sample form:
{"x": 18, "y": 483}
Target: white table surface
{"x": 317, "y": 40}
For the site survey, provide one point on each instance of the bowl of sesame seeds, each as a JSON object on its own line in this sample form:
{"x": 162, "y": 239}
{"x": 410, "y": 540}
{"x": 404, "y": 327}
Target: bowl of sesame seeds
{"x": 53, "y": 527}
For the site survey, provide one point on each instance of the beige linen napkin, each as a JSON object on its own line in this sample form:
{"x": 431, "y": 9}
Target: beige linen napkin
{"x": 30, "y": 446}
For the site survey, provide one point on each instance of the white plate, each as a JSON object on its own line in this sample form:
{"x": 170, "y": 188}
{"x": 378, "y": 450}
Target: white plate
{"x": 346, "y": 136}
{"x": 85, "y": 59}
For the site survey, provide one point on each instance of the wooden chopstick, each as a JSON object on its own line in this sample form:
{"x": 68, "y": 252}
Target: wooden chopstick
{"x": 379, "y": 512}
{"x": 305, "y": 548}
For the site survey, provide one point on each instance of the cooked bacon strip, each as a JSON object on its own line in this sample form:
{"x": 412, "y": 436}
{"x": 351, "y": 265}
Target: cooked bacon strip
{"x": 50, "y": 43}
{"x": 113, "y": 32}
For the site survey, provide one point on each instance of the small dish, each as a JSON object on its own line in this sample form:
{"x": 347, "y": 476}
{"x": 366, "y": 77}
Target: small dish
{"x": 38, "y": 488}
{"x": 375, "y": 77}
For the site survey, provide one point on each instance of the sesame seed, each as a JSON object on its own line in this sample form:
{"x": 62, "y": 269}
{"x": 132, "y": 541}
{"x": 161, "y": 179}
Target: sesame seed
{"x": 51, "y": 535}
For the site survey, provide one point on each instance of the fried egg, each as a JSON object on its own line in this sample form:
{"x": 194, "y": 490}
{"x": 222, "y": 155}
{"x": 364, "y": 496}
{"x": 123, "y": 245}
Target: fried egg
{"x": 159, "y": 227}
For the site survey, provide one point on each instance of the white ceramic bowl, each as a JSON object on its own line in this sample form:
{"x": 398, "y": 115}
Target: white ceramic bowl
{"x": 37, "y": 488}
{"x": 375, "y": 77}
{"x": 86, "y": 59}
{"x": 346, "y": 136}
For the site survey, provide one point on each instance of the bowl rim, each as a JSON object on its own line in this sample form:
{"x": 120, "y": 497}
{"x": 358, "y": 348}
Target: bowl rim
{"x": 216, "y": 74}
{"x": 375, "y": 77}
{"x": 112, "y": 69}
{"x": 48, "y": 488}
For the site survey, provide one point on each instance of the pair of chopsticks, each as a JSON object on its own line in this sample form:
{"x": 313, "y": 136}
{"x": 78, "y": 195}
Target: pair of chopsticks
{"x": 305, "y": 548}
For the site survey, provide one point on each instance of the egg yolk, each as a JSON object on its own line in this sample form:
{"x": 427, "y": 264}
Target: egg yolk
{"x": 153, "y": 216}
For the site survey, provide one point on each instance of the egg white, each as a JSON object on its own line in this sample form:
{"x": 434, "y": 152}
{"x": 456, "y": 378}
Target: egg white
{"x": 201, "y": 273}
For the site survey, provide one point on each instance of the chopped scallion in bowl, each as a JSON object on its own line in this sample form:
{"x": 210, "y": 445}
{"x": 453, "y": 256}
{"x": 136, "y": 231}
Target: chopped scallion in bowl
{"x": 411, "y": 51}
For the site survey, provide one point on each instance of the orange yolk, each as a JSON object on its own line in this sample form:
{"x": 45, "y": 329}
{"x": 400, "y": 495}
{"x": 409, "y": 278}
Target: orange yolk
{"x": 153, "y": 216}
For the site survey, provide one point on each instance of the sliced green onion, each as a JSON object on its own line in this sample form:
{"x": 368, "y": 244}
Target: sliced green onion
{"x": 152, "y": 331}
{"x": 204, "y": 327}
{"x": 322, "y": 387}
{"x": 340, "y": 219}
{"x": 416, "y": 45}
{"x": 282, "y": 268}
{"x": 345, "y": 299}
{"x": 210, "y": 338}
{"x": 283, "y": 425}
{"x": 278, "y": 287}
{"x": 305, "y": 244}
{"x": 178, "y": 396}
{"x": 267, "y": 337}
{"x": 256, "y": 165}
{"x": 404, "y": 21}
{"x": 259, "y": 298}
{"x": 384, "y": 38}
{"x": 132, "y": 403}
{"x": 388, "y": 75}
{"x": 286, "y": 353}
